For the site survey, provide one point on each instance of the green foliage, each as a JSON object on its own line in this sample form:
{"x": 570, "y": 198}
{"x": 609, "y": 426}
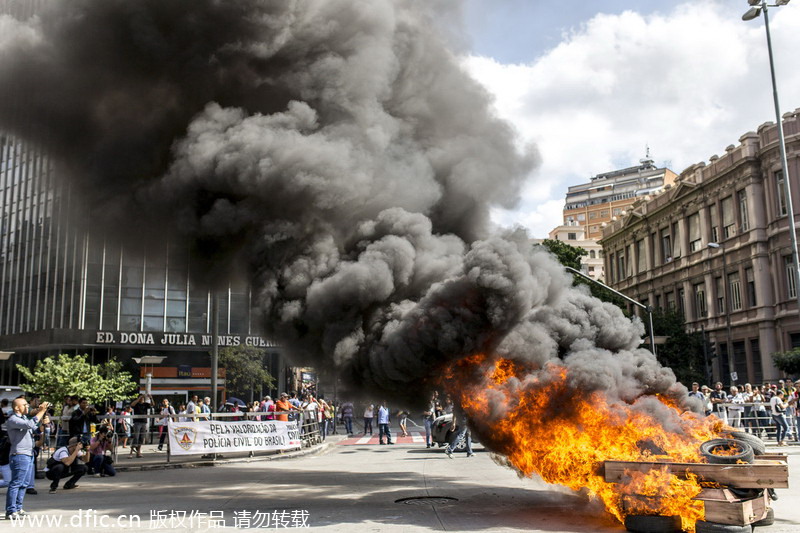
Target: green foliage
{"x": 682, "y": 352}
{"x": 244, "y": 370}
{"x": 570, "y": 256}
{"x": 52, "y": 378}
{"x": 788, "y": 362}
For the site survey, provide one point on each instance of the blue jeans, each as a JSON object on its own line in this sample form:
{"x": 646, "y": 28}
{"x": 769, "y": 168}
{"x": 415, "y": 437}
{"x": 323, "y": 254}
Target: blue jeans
{"x": 348, "y": 424}
{"x": 100, "y": 467}
{"x": 781, "y": 427}
{"x": 462, "y": 432}
{"x": 428, "y": 423}
{"x": 20, "y": 467}
{"x": 383, "y": 429}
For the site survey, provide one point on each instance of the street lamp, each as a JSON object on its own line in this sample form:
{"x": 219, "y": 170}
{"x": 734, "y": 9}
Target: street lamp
{"x": 729, "y": 343}
{"x": 647, "y": 308}
{"x": 757, "y": 7}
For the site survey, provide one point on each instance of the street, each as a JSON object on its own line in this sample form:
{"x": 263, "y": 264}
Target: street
{"x": 349, "y": 487}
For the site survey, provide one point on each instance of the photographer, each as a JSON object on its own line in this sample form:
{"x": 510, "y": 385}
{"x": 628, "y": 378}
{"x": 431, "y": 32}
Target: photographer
{"x": 65, "y": 462}
{"x": 20, "y": 435}
{"x": 102, "y": 445}
{"x": 81, "y": 420}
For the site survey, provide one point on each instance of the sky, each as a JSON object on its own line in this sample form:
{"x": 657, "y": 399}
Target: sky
{"x": 593, "y": 84}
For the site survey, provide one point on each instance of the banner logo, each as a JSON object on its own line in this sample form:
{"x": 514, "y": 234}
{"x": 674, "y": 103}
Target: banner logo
{"x": 185, "y": 437}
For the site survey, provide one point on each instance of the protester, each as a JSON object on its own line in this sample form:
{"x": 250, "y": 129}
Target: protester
{"x": 427, "y": 419}
{"x": 403, "y": 415}
{"x": 383, "y": 424}
{"x": 141, "y": 406}
{"x": 205, "y": 408}
{"x": 100, "y": 462}
{"x": 125, "y": 425}
{"x": 70, "y": 402}
{"x": 718, "y": 400}
{"x": 736, "y": 407}
{"x": 778, "y": 409}
{"x": 347, "y": 417}
{"x": 191, "y": 408}
{"x": 463, "y": 432}
{"x": 369, "y": 414}
{"x": 65, "y": 462}
{"x": 20, "y": 435}
{"x": 166, "y": 411}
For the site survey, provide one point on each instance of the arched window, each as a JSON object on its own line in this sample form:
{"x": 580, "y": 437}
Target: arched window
{"x": 591, "y": 254}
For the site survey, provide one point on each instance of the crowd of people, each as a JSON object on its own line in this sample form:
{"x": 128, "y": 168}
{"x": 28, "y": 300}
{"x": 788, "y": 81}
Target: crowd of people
{"x": 759, "y": 410}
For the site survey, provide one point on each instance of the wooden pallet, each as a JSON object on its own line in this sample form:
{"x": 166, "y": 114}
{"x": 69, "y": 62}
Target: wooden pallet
{"x": 721, "y": 504}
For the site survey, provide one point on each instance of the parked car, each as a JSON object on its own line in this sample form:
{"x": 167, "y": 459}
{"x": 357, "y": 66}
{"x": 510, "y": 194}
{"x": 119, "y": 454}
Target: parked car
{"x": 441, "y": 432}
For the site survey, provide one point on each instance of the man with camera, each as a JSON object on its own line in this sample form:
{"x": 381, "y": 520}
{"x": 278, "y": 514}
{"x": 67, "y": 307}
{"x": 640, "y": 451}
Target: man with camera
{"x": 65, "y": 462}
{"x": 20, "y": 435}
{"x": 81, "y": 421}
{"x": 100, "y": 461}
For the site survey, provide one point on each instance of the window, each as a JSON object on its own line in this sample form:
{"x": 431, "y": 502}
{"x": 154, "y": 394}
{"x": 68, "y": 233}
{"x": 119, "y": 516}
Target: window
{"x": 728, "y": 224}
{"x": 670, "y": 297}
{"x": 621, "y": 273}
{"x": 681, "y": 301}
{"x": 700, "y": 300}
{"x": 720, "y": 290}
{"x": 581, "y": 217}
{"x": 791, "y": 281}
{"x": 604, "y": 213}
{"x": 736, "y": 291}
{"x": 641, "y": 257}
{"x": 676, "y": 241}
{"x": 592, "y": 215}
{"x": 591, "y": 269}
{"x": 755, "y": 355}
{"x": 743, "y": 215}
{"x": 572, "y": 236}
{"x": 617, "y": 211}
{"x": 592, "y": 254}
{"x": 695, "y": 242}
{"x": 780, "y": 189}
{"x": 666, "y": 246}
{"x": 712, "y": 215}
{"x": 751, "y": 287}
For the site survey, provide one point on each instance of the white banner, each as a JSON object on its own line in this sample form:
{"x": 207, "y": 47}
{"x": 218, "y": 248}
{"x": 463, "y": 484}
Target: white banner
{"x": 213, "y": 436}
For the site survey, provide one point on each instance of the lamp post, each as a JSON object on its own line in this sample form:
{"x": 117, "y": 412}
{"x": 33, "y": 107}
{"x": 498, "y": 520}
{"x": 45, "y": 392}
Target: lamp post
{"x": 757, "y": 6}
{"x": 729, "y": 343}
{"x": 647, "y": 308}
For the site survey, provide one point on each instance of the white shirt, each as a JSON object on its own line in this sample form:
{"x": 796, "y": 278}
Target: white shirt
{"x": 383, "y": 415}
{"x": 63, "y": 453}
{"x": 774, "y": 405}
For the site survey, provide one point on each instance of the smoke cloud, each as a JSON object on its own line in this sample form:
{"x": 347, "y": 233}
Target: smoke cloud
{"x": 339, "y": 151}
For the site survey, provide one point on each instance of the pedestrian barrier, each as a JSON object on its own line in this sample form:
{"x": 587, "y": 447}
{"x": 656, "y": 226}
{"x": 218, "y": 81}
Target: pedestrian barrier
{"x": 308, "y": 423}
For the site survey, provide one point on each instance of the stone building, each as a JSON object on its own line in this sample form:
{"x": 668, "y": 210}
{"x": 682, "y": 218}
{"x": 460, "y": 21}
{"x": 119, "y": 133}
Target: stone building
{"x": 722, "y": 225}
{"x": 575, "y": 235}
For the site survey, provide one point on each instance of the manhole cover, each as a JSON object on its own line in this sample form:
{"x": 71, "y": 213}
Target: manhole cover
{"x": 427, "y": 500}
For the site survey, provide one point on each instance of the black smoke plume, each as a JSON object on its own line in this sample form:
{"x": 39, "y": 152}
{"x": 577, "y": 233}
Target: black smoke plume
{"x": 339, "y": 151}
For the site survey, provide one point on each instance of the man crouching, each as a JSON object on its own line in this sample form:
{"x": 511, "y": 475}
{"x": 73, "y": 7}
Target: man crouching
{"x": 64, "y": 462}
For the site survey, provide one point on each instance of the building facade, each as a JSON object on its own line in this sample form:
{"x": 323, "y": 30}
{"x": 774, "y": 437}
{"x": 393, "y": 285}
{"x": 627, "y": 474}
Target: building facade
{"x": 716, "y": 246}
{"x": 575, "y": 235}
{"x": 607, "y": 196}
{"x": 67, "y": 289}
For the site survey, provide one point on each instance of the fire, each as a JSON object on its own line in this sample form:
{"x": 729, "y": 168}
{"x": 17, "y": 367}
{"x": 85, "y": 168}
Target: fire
{"x": 563, "y": 435}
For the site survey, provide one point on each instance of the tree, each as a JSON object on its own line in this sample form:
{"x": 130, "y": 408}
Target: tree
{"x": 570, "y": 256}
{"x": 788, "y": 362}
{"x": 682, "y": 351}
{"x": 245, "y": 374}
{"x": 52, "y": 378}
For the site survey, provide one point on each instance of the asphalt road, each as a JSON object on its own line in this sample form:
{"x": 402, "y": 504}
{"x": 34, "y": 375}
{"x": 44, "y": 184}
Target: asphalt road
{"x": 348, "y": 488}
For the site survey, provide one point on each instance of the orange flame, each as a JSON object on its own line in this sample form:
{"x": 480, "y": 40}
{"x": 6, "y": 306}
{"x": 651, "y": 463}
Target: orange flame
{"x": 549, "y": 428}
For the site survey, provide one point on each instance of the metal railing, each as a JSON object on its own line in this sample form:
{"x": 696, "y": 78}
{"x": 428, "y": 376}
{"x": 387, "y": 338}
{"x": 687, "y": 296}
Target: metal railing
{"x": 756, "y": 418}
{"x": 310, "y": 431}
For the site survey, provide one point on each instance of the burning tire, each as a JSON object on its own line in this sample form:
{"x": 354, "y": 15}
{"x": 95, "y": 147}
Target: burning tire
{"x": 758, "y": 445}
{"x": 639, "y": 523}
{"x": 727, "y": 451}
{"x": 767, "y": 520}
{"x": 715, "y": 527}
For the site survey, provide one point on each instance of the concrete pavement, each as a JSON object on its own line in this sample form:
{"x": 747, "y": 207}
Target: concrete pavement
{"x": 349, "y": 488}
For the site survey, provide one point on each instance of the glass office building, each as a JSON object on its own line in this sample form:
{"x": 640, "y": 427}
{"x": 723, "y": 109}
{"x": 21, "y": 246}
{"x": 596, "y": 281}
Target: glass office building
{"x": 67, "y": 289}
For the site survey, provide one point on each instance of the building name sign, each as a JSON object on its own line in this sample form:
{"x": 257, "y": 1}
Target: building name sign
{"x": 178, "y": 339}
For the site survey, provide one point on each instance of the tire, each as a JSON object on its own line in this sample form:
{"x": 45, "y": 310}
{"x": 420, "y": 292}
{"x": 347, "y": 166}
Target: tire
{"x": 767, "y": 520}
{"x": 742, "y": 451}
{"x": 758, "y": 445}
{"x": 714, "y": 527}
{"x": 639, "y": 523}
